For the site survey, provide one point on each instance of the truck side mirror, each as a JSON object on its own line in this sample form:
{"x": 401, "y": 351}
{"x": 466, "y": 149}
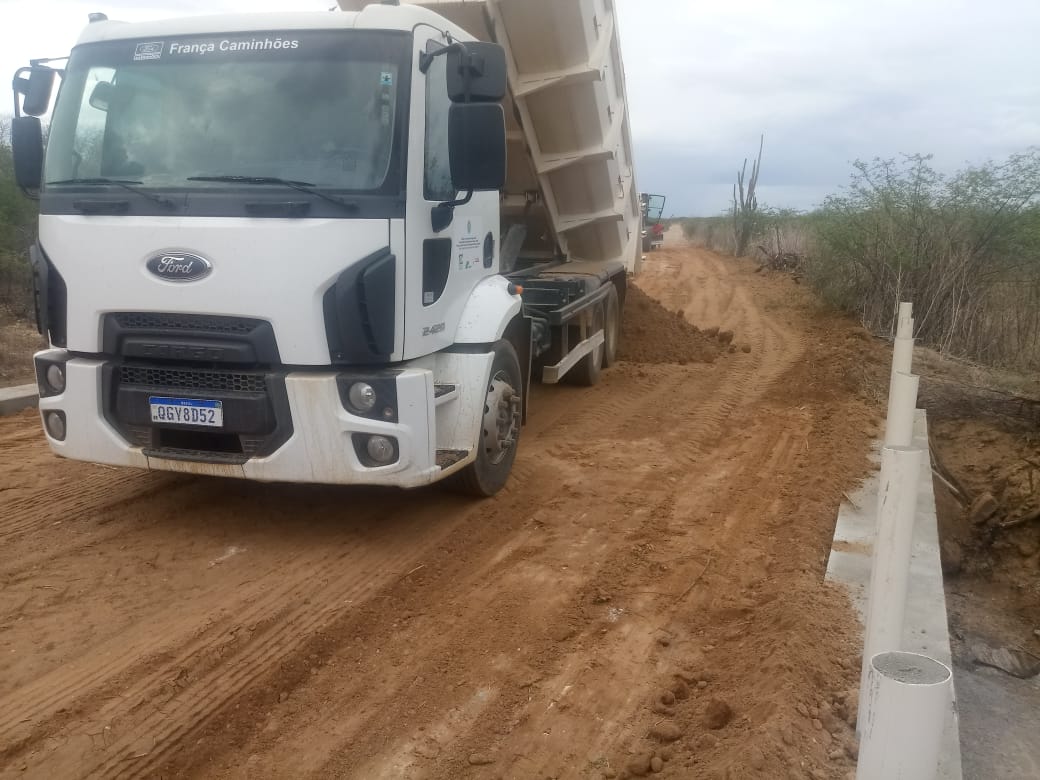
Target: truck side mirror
{"x": 27, "y": 149}
{"x": 35, "y": 85}
{"x": 477, "y": 146}
{"x": 476, "y": 72}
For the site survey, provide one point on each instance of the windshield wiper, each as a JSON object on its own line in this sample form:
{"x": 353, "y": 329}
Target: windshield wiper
{"x": 300, "y": 186}
{"x": 126, "y": 184}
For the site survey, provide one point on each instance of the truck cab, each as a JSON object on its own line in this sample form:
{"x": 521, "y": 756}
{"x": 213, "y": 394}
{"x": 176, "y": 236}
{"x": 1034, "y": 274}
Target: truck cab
{"x": 271, "y": 247}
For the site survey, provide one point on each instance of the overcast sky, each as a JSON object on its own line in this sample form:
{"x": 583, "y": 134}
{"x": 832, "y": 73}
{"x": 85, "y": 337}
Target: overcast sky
{"x": 826, "y": 81}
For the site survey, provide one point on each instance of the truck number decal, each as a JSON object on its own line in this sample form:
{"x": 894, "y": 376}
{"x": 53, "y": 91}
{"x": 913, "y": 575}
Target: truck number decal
{"x": 433, "y": 330}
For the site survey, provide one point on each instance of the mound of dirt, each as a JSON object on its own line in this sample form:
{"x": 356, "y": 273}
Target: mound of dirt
{"x": 652, "y": 334}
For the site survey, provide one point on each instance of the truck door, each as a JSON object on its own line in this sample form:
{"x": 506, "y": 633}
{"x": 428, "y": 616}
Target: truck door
{"x": 444, "y": 266}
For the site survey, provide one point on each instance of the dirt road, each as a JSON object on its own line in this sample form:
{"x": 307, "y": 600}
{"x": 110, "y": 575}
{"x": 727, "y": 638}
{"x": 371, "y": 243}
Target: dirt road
{"x": 648, "y": 590}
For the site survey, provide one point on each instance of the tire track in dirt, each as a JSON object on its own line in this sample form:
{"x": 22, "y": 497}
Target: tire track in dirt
{"x": 207, "y": 634}
{"x": 524, "y": 627}
{"x": 387, "y": 762}
{"x": 709, "y": 494}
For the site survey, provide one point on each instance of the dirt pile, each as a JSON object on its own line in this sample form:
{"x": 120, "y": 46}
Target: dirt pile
{"x": 652, "y": 334}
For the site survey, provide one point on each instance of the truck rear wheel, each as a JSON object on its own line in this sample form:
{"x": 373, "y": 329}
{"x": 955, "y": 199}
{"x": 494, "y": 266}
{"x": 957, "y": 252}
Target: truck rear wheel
{"x": 588, "y": 369}
{"x": 499, "y": 429}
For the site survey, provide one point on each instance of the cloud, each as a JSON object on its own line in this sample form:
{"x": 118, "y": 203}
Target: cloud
{"x": 826, "y": 81}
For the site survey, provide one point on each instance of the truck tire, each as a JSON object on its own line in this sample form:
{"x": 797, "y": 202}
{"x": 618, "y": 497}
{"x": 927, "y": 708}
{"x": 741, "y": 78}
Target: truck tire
{"x": 647, "y": 244}
{"x": 586, "y": 372}
{"x": 499, "y": 430}
{"x": 611, "y": 327}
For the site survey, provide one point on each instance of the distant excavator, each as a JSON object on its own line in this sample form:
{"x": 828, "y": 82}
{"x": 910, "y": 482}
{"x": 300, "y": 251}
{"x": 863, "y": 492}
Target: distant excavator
{"x": 653, "y": 228}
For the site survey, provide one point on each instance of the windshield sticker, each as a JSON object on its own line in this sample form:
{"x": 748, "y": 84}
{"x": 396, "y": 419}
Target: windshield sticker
{"x": 386, "y": 79}
{"x": 201, "y": 48}
{"x": 148, "y": 51}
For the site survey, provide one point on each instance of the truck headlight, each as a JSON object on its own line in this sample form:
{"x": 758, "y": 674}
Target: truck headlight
{"x": 362, "y": 396}
{"x": 55, "y": 376}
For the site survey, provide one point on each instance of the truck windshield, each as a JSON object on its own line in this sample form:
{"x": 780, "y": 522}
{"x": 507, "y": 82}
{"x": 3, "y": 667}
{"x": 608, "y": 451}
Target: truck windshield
{"x": 314, "y": 106}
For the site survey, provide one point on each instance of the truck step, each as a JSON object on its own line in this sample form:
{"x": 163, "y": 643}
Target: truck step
{"x": 448, "y": 458}
{"x": 442, "y": 393}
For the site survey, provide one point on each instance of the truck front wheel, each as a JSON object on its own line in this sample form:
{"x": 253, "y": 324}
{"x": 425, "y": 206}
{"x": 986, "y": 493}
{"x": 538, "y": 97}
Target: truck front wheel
{"x": 499, "y": 432}
{"x": 611, "y": 327}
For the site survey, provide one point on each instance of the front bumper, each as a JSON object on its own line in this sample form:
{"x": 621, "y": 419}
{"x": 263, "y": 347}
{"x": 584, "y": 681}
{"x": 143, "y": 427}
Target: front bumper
{"x": 301, "y": 432}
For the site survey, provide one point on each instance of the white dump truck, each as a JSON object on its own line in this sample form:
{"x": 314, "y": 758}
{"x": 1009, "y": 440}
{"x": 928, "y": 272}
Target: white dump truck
{"x": 327, "y": 247}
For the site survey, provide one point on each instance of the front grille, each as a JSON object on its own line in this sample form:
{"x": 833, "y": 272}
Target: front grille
{"x": 186, "y": 322}
{"x": 188, "y": 379}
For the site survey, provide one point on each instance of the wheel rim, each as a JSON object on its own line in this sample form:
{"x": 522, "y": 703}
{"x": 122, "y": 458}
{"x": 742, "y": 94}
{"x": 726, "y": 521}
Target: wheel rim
{"x": 501, "y": 418}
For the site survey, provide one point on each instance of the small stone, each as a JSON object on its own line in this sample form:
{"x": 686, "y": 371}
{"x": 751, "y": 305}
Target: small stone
{"x": 666, "y": 754}
{"x": 745, "y": 348}
{"x": 816, "y": 724}
{"x": 718, "y": 714}
{"x": 702, "y": 684}
{"x": 656, "y": 764}
{"x": 836, "y": 755}
{"x": 283, "y": 696}
{"x": 725, "y": 336}
{"x": 982, "y": 509}
{"x": 852, "y": 749}
{"x": 480, "y": 759}
{"x": 609, "y": 774}
{"x": 663, "y": 640}
{"x": 666, "y": 697}
{"x": 819, "y": 774}
{"x": 662, "y": 709}
{"x": 680, "y": 689}
{"x": 639, "y": 766}
{"x": 665, "y": 732}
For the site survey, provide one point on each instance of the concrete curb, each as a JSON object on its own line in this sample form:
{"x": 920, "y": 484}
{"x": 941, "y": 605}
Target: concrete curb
{"x": 926, "y": 629}
{"x": 15, "y": 399}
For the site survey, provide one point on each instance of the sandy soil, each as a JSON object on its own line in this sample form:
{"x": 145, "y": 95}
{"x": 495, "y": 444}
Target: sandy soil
{"x": 647, "y": 594}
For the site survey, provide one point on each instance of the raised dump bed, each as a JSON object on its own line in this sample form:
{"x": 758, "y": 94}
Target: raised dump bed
{"x": 571, "y": 178}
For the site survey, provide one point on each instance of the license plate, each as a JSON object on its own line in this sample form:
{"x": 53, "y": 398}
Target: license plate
{"x": 186, "y": 411}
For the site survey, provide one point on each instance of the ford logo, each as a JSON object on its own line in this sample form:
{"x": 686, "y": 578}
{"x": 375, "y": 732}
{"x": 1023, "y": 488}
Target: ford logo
{"x": 179, "y": 266}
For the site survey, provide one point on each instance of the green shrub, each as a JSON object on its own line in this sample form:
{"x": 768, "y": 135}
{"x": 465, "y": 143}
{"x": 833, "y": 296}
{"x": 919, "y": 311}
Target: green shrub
{"x": 964, "y": 249}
